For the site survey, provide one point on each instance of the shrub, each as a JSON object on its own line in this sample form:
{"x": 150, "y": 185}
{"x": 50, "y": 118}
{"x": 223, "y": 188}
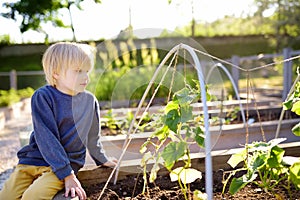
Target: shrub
{"x": 9, "y": 97}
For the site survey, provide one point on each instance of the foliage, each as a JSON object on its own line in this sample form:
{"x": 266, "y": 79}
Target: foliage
{"x": 35, "y": 12}
{"x": 127, "y": 54}
{"x": 25, "y": 93}
{"x": 179, "y": 128}
{"x": 293, "y": 104}
{"x": 4, "y": 39}
{"x": 128, "y": 84}
{"x": 265, "y": 165}
{"x": 231, "y": 25}
{"x": 121, "y": 124}
{"x": 21, "y": 63}
{"x": 285, "y": 20}
{"x": 9, "y": 97}
{"x": 278, "y": 18}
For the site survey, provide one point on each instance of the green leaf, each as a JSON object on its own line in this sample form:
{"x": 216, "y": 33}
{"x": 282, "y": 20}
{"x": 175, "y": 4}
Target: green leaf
{"x": 171, "y": 119}
{"x": 258, "y": 162}
{"x": 172, "y": 105}
{"x": 296, "y": 108}
{"x": 199, "y": 136}
{"x": 172, "y": 152}
{"x": 236, "y": 184}
{"x": 186, "y": 113}
{"x": 186, "y": 175}
{"x": 187, "y": 129}
{"x": 162, "y": 133}
{"x": 296, "y": 129}
{"x": 276, "y": 156}
{"x": 295, "y": 174}
{"x": 236, "y": 158}
{"x": 184, "y": 97}
{"x": 287, "y": 105}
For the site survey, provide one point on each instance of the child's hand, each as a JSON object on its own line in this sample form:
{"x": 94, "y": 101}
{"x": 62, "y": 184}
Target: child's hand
{"x": 73, "y": 186}
{"x": 112, "y": 162}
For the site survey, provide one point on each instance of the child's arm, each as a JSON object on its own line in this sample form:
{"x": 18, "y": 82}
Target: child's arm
{"x": 94, "y": 144}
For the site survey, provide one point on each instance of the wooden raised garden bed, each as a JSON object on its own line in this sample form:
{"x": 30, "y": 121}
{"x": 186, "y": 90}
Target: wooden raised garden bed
{"x": 226, "y": 140}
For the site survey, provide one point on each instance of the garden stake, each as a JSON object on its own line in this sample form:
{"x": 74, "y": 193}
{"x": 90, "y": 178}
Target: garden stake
{"x": 233, "y": 84}
{"x": 282, "y": 111}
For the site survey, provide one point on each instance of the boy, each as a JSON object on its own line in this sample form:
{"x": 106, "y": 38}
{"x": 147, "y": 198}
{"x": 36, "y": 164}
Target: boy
{"x": 66, "y": 120}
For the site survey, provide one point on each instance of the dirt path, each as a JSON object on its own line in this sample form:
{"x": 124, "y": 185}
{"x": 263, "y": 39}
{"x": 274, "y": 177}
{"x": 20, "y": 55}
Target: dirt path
{"x": 10, "y": 144}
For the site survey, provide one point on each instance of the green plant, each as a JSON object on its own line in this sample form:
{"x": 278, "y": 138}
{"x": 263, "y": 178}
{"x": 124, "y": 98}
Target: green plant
{"x": 120, "y": 125}
{"x": 232, "y": 114}
{"x": 8, "y": 97}
{"x": 262, "y": 165}
{"x": 26, "y": 92}
{"x": 265, "y": 165}
{"x": 293, "y": 104}
{"x": 179, "y": 128}
{"x": 109, "y": 121}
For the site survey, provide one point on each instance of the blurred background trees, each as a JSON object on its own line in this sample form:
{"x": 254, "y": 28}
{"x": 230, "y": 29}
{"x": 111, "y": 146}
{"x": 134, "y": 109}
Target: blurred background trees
{"x": 35, "y": 12}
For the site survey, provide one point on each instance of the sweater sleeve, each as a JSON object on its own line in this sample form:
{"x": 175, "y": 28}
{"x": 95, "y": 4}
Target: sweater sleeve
{"x": 94, "y": 144}
{"x": 47, "y": 135}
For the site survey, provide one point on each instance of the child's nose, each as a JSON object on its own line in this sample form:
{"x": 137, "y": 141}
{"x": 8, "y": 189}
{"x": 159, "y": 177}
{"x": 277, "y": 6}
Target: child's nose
{"x": 87, "y": 77}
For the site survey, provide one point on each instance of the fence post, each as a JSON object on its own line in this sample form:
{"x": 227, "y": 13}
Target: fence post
{"x": 287, "y": 73}
{"x": 13, "y": 79}
{"x": 234, "y": 71}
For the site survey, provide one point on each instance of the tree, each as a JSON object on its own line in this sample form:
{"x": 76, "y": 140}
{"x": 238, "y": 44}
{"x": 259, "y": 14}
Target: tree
{"x": 34, "y": 12}
{"x": 286, "y": 19}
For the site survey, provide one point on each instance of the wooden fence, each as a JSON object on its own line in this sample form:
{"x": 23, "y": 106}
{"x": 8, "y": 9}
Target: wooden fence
{"x": 287, "y": 62}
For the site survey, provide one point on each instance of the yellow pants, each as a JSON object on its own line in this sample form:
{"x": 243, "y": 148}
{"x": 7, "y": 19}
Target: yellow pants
{"x": 29, "y": 182}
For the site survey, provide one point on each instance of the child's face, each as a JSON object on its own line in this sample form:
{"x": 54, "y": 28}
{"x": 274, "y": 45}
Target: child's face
{"x": 73, "y": 81}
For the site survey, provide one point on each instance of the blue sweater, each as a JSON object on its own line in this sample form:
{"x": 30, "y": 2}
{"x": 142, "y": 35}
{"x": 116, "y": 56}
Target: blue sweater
{"x": 63, "y": 126}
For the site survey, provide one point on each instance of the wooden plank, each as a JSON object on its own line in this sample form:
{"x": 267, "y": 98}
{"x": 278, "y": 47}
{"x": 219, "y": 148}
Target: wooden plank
{"x": 225, "y": 137}
{"x": 121, "y": 112}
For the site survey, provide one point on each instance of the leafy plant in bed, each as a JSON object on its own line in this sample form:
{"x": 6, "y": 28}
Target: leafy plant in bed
{"x": 178, "y": 129}
{"x": 264, "y": 163}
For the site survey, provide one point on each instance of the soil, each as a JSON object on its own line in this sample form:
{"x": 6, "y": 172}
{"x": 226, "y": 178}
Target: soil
{"x": 131, "y": 188}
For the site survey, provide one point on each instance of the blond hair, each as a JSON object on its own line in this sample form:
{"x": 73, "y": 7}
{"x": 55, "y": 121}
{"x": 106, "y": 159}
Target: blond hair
{"x": 64, "y": 55}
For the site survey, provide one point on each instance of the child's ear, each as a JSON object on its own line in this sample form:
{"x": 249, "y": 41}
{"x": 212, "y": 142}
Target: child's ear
{"x": 55, "y": 75}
